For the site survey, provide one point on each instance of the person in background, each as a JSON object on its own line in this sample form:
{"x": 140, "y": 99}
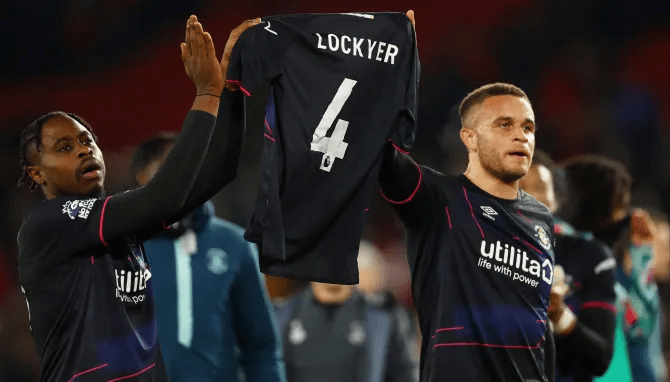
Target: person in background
{"x": 335, "y": 333}
{"x": 662, "y": 276}
{"x": 600, "y": 194}
{"x": 212, "y": 311}
{"x": 582, "y": 310}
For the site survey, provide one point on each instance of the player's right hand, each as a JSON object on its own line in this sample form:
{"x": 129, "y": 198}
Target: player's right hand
{"x": 228, "y": 50}
{"x": 199, "y": 57}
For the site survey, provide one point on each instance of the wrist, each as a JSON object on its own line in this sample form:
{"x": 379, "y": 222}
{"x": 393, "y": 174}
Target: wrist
{"x": 564, "y": 323}
{"x": 209, "y": 90}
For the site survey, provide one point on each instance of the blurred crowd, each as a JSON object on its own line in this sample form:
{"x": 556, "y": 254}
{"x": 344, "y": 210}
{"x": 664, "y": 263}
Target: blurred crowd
{"x": 596, "y": 72}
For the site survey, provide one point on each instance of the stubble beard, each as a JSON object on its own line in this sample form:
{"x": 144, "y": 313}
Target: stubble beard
{"x": 492, "y": 162}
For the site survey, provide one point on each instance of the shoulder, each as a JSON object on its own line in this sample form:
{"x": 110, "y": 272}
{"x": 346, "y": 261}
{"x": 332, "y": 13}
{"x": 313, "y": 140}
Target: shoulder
{"x": 590, "y": 252}
{"x": 53, "y": 215}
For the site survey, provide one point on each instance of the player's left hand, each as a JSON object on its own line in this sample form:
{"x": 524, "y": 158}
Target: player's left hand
{"x": 228, "y": 50}
{"x": 557, "y": 306}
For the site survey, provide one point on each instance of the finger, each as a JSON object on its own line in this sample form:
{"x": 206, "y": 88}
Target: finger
{"x": 187, "y": 45}
{"x": 244, "y": 26}
{"x": 209, "y": 45}
{"x": 183, "y": 51}
{"x": 410, "y": 16}
{"x": 193, "y": 40}
{"x": 200, "y": 38}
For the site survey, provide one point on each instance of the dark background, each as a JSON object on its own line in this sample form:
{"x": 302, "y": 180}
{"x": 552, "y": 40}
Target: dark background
{"x": 597, "y": 73}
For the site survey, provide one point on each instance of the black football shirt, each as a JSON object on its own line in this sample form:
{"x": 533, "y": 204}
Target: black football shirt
{"x": 90, "y": 302}
{"x": 341, "y": 87}
{"x": 481, "y": 270}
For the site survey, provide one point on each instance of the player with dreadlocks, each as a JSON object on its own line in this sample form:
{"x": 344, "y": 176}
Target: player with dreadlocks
{"x": 82, "y": 265}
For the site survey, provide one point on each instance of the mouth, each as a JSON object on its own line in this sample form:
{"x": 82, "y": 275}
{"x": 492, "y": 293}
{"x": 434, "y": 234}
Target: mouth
{"x": 91, "y": 170}
{"x": 519, "y": 154}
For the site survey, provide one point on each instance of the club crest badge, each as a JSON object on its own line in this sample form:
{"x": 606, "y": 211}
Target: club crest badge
{"x": 543, "y": 237}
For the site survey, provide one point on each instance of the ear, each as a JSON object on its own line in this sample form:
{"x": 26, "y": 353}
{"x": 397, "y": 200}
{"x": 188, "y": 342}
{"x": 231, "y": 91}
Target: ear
{"x": 36, "y": 174}
{"x": 469, "y": 138}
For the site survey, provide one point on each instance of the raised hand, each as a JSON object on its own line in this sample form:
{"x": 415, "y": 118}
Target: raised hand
{"x": 199, "y": 57}
{"x": 228, "y": 50}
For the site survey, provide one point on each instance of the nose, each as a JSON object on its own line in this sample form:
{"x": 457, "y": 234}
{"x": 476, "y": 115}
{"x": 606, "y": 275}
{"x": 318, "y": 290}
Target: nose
{"x": 520, "y": 134}
{"x": 84, "y": 151}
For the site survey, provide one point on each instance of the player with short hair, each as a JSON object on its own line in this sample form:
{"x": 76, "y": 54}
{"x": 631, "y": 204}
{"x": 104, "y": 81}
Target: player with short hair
{"x": 582, "y": 310}
{"x": 81, "y": 261}
{"x": 479, "y": 249}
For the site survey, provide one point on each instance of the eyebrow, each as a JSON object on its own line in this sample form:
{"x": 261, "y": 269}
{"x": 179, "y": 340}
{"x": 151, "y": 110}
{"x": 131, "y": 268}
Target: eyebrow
{"x": 510, "y": 119}
{"x": 68, "y": 139}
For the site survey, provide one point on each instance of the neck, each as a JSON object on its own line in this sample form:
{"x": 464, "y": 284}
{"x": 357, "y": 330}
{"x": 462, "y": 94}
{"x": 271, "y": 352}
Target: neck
{"x": 331, "y": 294}
{"x": 491, "y": 184}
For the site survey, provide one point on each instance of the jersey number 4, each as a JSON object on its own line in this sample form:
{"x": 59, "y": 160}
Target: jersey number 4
{"x": 334, "y": 146}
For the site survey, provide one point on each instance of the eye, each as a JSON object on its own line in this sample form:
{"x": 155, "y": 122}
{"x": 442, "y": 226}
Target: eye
{"x": 504, "y": 125}
{"x": 87, "y": 141}
{"x": 65, "y": 148}
{"x": 529, "y": 128}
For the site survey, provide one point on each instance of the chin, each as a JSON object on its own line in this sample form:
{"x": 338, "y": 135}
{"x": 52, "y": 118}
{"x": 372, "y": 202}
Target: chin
{"x": 513, "y": 175}
{"x": 97, "y": 191}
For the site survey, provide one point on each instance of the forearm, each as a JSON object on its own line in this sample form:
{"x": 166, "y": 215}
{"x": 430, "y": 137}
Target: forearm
{"x": 591, "y": 340}
{"x": 399, "y": 176}
{"x": 222, "y": 159}
{"x": 165, "y": 194}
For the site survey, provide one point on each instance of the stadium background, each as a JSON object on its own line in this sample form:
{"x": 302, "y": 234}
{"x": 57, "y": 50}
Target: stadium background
{"x": 596, "y": 71}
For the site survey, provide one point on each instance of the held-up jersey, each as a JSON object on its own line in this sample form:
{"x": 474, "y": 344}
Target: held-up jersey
{"x": 74, "y": 283}
{"x": 482, "y": 269}
{"x": 341, "y": 86}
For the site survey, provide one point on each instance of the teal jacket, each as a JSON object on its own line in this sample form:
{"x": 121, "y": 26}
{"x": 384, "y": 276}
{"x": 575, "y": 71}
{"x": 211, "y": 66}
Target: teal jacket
{"x": 213, "y": 315}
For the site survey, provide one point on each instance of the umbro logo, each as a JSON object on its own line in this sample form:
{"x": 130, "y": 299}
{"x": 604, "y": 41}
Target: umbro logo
{"x": 489, "y": 212}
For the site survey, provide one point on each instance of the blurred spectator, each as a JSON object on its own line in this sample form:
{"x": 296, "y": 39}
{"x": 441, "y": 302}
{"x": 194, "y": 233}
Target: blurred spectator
{"x": 599, "y": 202}
{"x": 662, "y": 276}
{"x": 582, "y": 310}
{"x": 334, "y": 333}
{"x": 18, "y": 358}
{"x": 210, "y": 297}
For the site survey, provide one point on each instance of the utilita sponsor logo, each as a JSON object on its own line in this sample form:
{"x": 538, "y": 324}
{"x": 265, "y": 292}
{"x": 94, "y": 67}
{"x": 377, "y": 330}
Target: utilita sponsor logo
{"x": 515, "y": 263}
{"x": 131, "y": 282}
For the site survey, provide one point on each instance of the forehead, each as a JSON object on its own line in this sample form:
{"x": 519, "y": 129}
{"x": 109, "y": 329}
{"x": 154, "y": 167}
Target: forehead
{"x": 507, "y": 106}
{"x": 61, "y": 127}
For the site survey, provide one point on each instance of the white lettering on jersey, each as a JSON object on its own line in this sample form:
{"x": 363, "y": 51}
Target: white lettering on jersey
{"x": 267, "y": 28}
{"x": 605, "y": 265}
{"x": 371, "y": 17}
{"x": 385, "y": 52}
{"x": 334, "y": 146}
{"x": 131, "y": 282}
{"x": 514, "y": 262}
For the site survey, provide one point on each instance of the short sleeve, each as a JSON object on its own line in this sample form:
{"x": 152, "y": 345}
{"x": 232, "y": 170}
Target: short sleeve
{"x": 404, "y": 126}
{"x": 256, "y": 57}
{"x": 61, "y": 228}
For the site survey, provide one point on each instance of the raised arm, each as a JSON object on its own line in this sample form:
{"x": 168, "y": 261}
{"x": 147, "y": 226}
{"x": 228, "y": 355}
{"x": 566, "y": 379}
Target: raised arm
{"x": 166, "y": 193}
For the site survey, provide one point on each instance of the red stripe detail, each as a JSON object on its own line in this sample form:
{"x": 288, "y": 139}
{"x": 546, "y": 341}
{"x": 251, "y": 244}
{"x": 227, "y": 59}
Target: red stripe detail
{"x": 448, "y": 329}
{"x": 165, "y": 226}
{"x": 92, "y": 260}
{"x": 599, "y": 305}
{"x": 446, "y": 208}
{"x": 413, "y": 193}
{"x": 268, "y": 126}
{"x": 543, "y": 321}
{"x": 490, "y": 345}
{"x": 86, "y": 371}
{"x": 133, "y": 375}
{"x": 528, "y": 244}
{"x": 472, "y": 212}
{"x": 102, "y": 216}
{"x": 268, "y": 137}
{"x": 399, "y": 149}
{"x": 367, "y": 209}
{"x": 519, "y": 212}
{"x": 238, "y": 83}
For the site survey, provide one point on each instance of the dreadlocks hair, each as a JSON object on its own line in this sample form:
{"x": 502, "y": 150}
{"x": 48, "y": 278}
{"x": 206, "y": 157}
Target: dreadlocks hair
{"x": 148, "y": 151}
{"x": 32, "y": 135}
{"x": 597, "y": 186}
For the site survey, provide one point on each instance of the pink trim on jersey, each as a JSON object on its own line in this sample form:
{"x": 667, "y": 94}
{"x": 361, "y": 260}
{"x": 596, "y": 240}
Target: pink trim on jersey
{"x": 133, "y": 375}
{"x": 86, "y": 371}
{"x": 92, "y": 260}
{"x": 102, "y": 216}
{"x": 446, "y": 208}
{"x": 268, "y": 137}
{"x": 238, "y": 83}
{"x": 165, "y": 226}
{"x": 490, "y": 345}
{"x": 366, "y": 210}
{"x": 399, "y": 149}
{"x": 472, "y": 212}
{"x": 268, "y": 126}
{"x": 519, "y": 212}
{"x": 448, "y": 329}
{"x": 542, "y": 321}
{"x": 599, "y": 305}
{"x": 413, "y": 193}
{"x": 530, "y": 245}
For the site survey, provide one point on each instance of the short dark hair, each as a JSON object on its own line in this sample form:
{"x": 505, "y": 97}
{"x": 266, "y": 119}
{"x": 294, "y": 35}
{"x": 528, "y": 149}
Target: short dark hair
{"x": 482, "y": 93}
{"x": 147, "y": 151}
{"x": 597, "y": 185}
{"x": 32, "y": 134}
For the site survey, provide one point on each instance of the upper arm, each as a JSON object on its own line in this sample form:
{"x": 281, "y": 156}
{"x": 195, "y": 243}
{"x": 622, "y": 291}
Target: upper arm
{"x": 62, "y": 228}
